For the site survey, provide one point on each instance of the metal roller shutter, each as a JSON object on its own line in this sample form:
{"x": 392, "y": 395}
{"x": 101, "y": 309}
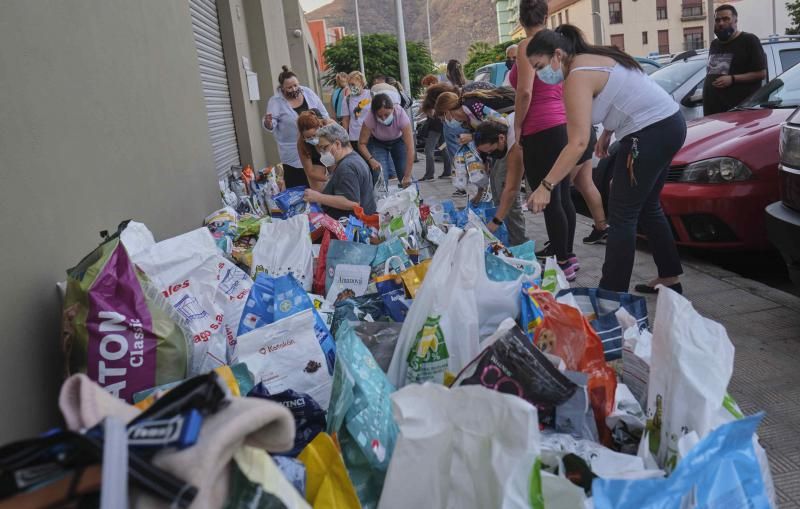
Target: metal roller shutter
{"x": 207, "y": 38}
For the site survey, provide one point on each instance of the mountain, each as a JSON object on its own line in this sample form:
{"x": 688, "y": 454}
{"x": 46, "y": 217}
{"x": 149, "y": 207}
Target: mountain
{"x": 455, "y": 24}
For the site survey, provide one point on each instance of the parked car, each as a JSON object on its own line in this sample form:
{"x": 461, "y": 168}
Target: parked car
{"x": 783, "y": 217}
{"x": 727, "y": 171}
{"x": 684, "y": 77}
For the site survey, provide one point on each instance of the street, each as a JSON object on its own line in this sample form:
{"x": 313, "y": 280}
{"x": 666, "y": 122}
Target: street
{"x": 745, "y": 294}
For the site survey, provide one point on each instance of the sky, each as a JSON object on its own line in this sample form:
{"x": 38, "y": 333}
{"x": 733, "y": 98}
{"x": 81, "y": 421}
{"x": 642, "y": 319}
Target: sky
{"x": 310, "y": 5}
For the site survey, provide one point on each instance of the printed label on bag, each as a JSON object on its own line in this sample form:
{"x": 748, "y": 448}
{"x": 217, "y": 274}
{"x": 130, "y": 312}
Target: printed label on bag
{"x": 350, "y": 278}
{"x": 427, "y": 360}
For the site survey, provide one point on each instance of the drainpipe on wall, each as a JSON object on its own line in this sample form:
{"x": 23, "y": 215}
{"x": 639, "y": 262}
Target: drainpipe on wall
{"x": 597, "y": 22}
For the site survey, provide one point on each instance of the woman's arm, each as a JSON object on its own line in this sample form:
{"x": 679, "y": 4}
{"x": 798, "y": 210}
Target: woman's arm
{"x": 315, "y": 102}
{"x": 525, "y": 74}
{"x": 363, "y": 140}
{"x": 312, "y": 172}
{"x": 511, "y": 186}
{"x": 408, "y": 139}
{"x": 578, "y": 93}
{"x": 270, "y": 120}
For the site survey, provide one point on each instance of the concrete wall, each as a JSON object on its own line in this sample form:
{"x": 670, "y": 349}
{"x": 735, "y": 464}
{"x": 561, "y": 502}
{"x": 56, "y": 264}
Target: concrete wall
{"x": 578, "y": 14}
{"x": 302, "y": 49}
{"x": 103, "y": 119}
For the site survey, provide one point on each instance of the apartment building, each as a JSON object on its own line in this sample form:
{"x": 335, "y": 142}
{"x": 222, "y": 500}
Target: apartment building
{"x": 323, "y": 37}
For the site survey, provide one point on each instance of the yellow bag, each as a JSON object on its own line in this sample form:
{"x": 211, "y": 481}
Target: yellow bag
{"x": 327, "y": 484}
{"x": 414, "y": 276}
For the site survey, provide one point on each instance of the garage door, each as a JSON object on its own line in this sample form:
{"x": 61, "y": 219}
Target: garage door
{"x": 207, "y": 38}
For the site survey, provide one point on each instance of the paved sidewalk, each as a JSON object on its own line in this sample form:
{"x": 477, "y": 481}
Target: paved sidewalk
{"x": 763, "y": 324}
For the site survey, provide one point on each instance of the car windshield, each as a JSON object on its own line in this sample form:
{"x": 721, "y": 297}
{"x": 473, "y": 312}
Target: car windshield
{"x": 782, "y": 92}
{"x": 676, "y": 74}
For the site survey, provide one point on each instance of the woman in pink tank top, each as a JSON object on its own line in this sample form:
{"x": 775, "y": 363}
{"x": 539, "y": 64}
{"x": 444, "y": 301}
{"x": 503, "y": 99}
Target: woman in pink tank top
{"x": 541, "y": 120}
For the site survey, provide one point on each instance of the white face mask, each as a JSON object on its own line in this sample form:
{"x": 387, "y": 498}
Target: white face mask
{"x": 388, "y": 120}
{"x": 327, "y": 159}
{"x": 312, "y": 140}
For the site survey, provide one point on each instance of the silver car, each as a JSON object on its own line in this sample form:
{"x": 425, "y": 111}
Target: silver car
{"x": 683, "y": 78}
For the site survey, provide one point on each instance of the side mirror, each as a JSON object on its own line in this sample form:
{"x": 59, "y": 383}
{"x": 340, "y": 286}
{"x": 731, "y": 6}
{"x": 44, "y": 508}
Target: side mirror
{"x": 693, "y": 99}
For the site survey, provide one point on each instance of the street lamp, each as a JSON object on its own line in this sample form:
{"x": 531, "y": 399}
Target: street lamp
{"x": 602, "y": 28}
{"x": 360, "y": 50}
{"x": 428, "y": 13}
{"x": 401, "y": 47}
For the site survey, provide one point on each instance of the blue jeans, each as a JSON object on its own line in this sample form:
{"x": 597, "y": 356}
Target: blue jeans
{"x": 632, "y": 204}
{"x": 391, "y": 155}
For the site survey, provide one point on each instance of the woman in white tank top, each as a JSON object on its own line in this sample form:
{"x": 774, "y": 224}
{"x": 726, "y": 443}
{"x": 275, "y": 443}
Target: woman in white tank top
{"x": 603, "y": 85}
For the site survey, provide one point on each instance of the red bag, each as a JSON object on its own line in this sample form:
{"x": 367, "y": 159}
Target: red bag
{"x": 319, "y": 223}
{"x": 318, "y": 286}
{"x": 565, "y": 332}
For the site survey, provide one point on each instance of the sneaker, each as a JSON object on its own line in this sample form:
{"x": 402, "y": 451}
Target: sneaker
{"x": 596, "y": 237}
{"x": 427, "y": 178}
{"x": 569, "y": 270}
{"x": 459, "y": 192}
{"x": 547, "y": 252}
{"x": 573, "y": 259}
{"x": 445, "y": 176}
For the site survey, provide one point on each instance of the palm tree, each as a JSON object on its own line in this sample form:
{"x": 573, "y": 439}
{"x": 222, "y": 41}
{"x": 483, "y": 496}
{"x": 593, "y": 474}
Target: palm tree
{"x": 478, "y": 47}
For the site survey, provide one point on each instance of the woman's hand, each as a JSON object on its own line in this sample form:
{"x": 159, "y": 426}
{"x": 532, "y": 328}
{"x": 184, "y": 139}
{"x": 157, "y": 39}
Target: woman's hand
{"x": 374, "y": 164}
{"x": 539, "y": 199}
{"x": 464, "y": 138}
{"x": 268, "y": 120}
{"x": 492, "y": 226}
{"x": 311, "y": 196}
{"x": 406, "y": 180}
{"x": 601, "y": 149}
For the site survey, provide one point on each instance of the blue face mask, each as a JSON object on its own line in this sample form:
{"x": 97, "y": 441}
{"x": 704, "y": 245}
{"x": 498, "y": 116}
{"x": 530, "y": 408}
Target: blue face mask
{"x": 388, "y": 120}
{"x": 451, "y": 122}
{"x": 551, "y": 76}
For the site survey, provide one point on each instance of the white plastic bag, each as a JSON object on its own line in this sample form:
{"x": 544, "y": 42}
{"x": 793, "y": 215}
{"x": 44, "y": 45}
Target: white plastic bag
{"x": 692, "y": 363}
{"x": 476, "y": 444}
{"x": 603, "y": 461}
{"x": 553, "y": 278}
{"x": 205, "y": 289}
{"x": 284, "y": 247}
{"x": 441, "y": 332}
{"x": 627, "y": 420}
{"x": 286, "y": 355}
{"x": 496, "y": 300}
{"x": 637, "y": 347}
{"x": 399, "y": 214}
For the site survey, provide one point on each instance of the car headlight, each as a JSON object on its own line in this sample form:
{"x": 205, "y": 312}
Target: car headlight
{"x": 719, "y": 170}
{"x": 790, "y": 146}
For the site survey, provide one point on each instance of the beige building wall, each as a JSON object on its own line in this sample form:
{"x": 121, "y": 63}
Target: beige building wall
{"x": 639, "y": 16}
{"x": 103, "y": 120}
{"x": 578, "y": 14}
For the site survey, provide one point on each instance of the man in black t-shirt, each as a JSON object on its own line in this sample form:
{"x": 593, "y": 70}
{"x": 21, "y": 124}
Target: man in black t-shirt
{"x": 736, "y": 64}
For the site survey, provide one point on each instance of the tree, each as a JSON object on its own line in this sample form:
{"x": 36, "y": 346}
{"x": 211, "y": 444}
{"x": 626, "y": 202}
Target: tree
{"x": 493, "y": 54}
{"x": 380, "y": 57}
{"x": 478, "y": 47}
{"x": 794, "y": 12}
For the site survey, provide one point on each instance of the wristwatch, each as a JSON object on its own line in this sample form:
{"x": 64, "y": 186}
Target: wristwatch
{"x": 497, "y": 221}
{"x": 547, "y": 185}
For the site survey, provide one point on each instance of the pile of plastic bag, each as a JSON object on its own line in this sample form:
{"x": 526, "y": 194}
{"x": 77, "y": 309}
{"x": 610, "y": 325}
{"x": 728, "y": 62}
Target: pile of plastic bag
{"x": 406, "y": 359}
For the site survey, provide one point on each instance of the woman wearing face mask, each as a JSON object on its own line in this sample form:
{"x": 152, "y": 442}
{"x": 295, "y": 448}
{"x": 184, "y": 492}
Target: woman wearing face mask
{"x": 308, "y": 123}
{"x": 341, "y": 91}
{"x": 541, "y": 124}
{"x": 283, "y": 109}
{"x": 351, "y": 183}
{"x": 356, "y": 106}
{"x": 598, "y": 81}
{"x": 386, "y": 139}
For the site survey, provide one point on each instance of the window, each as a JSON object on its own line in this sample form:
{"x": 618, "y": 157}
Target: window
{"x": 789, "y": 57}
{"x": 693, "y": 38}
{"x": 566, "y": 15}
{"x": 618, "y": 41}
{"x": 560, "y": 19}
{"x": 644, "y": 38}
{"x": 692, "y": 8}
{"x": 671, "y": 77}
{"x": 553, "y": 20}
{"x": 661, "y": 9}
{"x": 614, "y": 12}
{"x": 663, "y": 42}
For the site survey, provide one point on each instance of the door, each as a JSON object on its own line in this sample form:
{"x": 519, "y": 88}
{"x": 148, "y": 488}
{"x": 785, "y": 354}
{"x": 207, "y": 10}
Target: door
{"x": 214, "y": 78}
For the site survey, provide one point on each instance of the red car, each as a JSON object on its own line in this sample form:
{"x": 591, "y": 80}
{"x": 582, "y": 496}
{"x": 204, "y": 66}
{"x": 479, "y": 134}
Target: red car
{"x": 727, "y": 171}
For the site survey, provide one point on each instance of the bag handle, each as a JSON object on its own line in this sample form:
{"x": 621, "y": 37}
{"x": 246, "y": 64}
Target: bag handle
{"x": 387, "y": 267}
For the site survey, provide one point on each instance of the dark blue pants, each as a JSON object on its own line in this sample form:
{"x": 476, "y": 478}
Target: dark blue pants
{"x": 632, "y": 204}
{"x": 391, "y": 155}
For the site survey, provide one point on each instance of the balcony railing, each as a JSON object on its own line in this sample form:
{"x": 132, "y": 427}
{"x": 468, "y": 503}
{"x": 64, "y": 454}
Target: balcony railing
{"x": 692, "y": 12}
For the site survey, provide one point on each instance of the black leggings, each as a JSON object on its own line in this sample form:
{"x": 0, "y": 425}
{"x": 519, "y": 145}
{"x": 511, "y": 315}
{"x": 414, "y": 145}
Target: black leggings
{"x": 540, "y": 152}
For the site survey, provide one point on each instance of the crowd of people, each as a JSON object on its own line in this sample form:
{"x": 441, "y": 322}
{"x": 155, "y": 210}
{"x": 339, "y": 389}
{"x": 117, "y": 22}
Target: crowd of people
{"x": 538, "y": 130}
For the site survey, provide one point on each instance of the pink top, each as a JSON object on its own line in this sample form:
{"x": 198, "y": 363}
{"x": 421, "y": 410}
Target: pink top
{"x": 389, "y": 132}
{"x": 547, "y": 105}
